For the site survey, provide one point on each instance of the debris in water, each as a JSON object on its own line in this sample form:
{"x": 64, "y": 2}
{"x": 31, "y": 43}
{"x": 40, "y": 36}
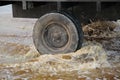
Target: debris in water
{"x": 99, "y": 28}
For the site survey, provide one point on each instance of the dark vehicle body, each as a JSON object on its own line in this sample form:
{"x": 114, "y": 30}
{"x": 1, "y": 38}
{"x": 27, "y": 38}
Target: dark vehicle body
{"x": 84, "y": 9}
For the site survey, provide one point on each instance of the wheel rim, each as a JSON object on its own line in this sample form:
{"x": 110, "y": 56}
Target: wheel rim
{"x": 55, "y": 36}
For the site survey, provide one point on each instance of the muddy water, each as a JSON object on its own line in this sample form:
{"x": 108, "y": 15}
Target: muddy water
{"x": 19, "y": 60}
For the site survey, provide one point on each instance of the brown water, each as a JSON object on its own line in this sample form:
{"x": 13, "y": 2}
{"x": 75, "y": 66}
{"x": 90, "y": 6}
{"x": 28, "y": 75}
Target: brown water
{"x": 19, "y": 60}
{"x": 90, "y": 63}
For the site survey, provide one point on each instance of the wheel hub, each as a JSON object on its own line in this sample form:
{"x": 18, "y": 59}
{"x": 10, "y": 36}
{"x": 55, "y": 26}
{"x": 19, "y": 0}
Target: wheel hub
{"x": 55, "y": 35}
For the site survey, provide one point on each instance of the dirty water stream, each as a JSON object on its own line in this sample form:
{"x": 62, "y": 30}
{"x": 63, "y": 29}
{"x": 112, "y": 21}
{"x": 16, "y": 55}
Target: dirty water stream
{"x": 98, "y": 59}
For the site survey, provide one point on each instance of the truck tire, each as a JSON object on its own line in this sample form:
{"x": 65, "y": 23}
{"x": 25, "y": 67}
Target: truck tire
{"x": 56, "y": 33}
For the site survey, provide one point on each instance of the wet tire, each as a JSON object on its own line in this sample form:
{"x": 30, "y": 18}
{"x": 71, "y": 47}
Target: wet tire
{"x": 57, "y": 33}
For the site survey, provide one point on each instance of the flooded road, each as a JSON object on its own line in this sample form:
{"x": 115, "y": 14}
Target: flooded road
{"x": 98, "y": 59}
